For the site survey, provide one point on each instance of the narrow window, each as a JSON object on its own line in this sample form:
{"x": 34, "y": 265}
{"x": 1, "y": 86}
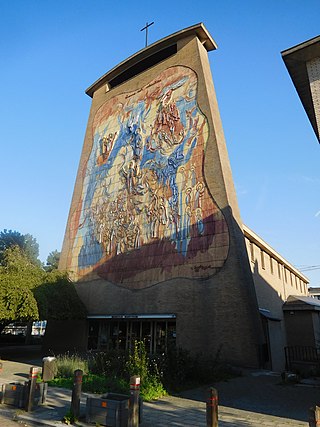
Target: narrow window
{"x": 271, "y": 264}
{"x": 279, "y": 270}
{"x": 251, "y": 252}
{"x": 262, "y": 259}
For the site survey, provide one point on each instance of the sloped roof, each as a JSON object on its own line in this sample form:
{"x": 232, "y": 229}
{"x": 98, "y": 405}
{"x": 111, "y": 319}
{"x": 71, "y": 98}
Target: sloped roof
{"x": 296, "y": 59}
{"x": 299, "y": 302}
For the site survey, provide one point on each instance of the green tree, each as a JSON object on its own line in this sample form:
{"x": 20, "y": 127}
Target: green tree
{"x": 18, "y": 277}
{"x": 28, "y": 292}
{"x": 57, "y": 298}
{"x": 26, "y": 242}
{"x": 52, "y": 261}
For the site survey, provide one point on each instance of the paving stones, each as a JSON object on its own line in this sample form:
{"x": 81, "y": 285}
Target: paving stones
{"x": 247, "y": 401}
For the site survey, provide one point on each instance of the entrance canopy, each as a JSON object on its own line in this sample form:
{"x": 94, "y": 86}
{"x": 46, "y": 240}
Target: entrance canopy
{"x": 131, "y": 316}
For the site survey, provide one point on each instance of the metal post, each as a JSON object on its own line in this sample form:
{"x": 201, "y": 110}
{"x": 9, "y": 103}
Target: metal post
{"x": 212, "y": 408}
{"x": 134, "y": 401}
{"x": 76, "y": 393}
{"x": 31, "y": 387}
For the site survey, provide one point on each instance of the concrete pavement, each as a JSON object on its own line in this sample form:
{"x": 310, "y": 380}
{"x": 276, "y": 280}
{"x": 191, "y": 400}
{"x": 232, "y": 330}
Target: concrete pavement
{"x": 255, "y": 399}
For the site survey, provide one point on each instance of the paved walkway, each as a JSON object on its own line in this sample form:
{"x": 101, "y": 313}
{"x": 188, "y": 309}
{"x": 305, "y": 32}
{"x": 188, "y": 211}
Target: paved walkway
{"x": 256, "y": 399}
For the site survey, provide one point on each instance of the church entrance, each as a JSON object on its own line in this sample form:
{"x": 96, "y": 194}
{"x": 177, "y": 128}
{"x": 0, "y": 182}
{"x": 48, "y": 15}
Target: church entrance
{"x": 120, "y": 333}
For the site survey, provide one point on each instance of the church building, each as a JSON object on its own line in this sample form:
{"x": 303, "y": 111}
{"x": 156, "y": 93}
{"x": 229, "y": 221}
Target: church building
{"x": 154, "y": 241}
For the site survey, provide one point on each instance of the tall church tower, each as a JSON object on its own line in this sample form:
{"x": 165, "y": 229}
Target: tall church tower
{"x": 154, "y": 238}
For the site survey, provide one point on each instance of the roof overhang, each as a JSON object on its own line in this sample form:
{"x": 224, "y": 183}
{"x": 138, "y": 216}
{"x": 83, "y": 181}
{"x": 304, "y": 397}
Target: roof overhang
{"x": 132, "y": 316}
{"x": 253, "y": 237}
{"x": 268, "y": 315}
{"x": 296, "y": 59}
{"x": 301, "y": 303}
{"x": 198, "y": 30}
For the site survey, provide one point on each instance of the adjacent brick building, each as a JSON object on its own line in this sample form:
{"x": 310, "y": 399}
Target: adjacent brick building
{"x": 303, "y": 64}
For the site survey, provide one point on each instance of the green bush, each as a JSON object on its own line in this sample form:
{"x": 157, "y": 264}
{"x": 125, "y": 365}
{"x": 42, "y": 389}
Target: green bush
{"x": 179, "y": 370}
{"x": 109, "y": 363}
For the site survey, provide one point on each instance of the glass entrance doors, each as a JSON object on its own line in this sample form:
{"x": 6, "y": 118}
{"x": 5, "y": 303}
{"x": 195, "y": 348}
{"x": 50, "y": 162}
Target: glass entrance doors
{"x": 108, "y": 334}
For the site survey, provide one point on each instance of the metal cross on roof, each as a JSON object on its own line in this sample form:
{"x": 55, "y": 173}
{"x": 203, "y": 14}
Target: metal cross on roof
{"x": 146, "y": 28}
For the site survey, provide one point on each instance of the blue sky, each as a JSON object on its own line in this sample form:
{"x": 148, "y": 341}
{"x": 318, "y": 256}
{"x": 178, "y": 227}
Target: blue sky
{"x": 51, "y": 51}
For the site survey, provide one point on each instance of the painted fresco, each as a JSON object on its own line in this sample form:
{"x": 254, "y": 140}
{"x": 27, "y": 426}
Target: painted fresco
{"x": 145, "y": 214}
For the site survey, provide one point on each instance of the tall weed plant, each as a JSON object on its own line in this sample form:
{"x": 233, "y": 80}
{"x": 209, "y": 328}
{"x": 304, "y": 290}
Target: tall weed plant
{"x": 140, "y": 364}
{"x": 66, "y": 364}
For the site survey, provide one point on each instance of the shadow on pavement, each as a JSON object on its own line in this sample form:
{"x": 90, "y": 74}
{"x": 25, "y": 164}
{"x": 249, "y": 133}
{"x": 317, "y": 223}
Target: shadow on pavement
{"x": 262, "y": 392}
{"x": 21, "y": 353}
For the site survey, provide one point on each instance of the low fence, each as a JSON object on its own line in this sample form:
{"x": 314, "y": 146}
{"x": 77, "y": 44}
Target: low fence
{"x": 302, "y": 358}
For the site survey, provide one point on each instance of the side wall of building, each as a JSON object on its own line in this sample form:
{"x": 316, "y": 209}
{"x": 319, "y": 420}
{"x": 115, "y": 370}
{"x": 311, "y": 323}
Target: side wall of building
{"x": 274, "y": 281}
{"x": 274, "y": 278}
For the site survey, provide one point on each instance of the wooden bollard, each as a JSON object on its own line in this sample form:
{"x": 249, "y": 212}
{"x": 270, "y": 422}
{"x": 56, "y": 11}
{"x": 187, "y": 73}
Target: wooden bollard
{"x": 76, "y": 393}
{"x": 33, "y": 374}
{"x": 3, "y": 390}
{"x": 134, "y": 401}
{"x": 212, "y": 408}
{"x": 314, "y": 417}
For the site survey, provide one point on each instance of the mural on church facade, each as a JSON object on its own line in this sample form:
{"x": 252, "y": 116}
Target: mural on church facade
{"x": 145, "y": 214}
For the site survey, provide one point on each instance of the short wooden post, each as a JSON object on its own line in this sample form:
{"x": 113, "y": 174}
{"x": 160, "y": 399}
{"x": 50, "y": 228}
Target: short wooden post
{"x": 212, "y": 408}
{"x": 134, "y": 401}
{"x": 314, "y": 417}
{"x": 43, "y": 389}
{"x": 3, "y": 390}
{"x": 76, "y": 393}
{"x": 33, "y": 374}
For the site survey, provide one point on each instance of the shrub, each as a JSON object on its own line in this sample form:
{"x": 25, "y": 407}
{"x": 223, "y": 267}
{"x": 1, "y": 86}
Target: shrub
{"x": 110, "y": 371}
{"x": 110, "y": 363}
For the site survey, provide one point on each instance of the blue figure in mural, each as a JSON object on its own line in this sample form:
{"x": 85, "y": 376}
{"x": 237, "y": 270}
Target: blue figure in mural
{"x": 200, "y": 225}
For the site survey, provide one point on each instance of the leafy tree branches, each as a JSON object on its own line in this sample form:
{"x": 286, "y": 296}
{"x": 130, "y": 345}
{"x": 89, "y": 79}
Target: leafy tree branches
{"x": 28, "y": 292}
{"x": 27, "y": 243}
{"x": 52, "y": 261}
